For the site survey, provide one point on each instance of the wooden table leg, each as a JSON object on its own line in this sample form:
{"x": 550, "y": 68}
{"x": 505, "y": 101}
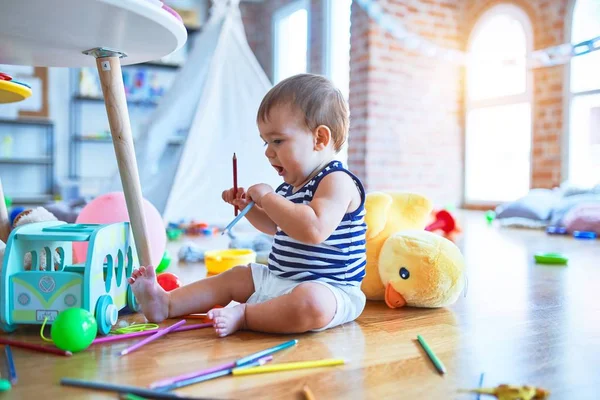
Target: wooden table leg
{"x": 4, "y": 220}
{"x": 109, "y": 69}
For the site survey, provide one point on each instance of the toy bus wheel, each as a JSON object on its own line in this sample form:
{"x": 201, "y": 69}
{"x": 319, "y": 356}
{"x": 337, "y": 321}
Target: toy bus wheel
{"x": 131, "y": 301}
{"x": 106, "y": 314}
{"x": 7, "y": 328}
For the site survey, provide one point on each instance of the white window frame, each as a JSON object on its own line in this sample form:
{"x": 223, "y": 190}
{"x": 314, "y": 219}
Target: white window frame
{"x": 279, "y": 15}
{"x": 568, "y": 97}
{"x": 326, "y": 62}
{"x": 519, "y": 14}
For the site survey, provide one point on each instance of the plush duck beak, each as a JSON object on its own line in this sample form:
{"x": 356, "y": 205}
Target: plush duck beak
{"x": 392, "y": 298}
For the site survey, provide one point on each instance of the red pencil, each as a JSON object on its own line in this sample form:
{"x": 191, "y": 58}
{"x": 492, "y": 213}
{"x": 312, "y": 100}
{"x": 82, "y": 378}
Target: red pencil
{"x": 36, "y": 347}
{"x": 235, "y": 187}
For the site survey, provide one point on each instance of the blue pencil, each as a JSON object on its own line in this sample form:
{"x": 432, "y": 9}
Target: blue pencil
{"x": 237, "y": 219}
{"x": 10, "y": 365}
{"x": 253, "y": 357}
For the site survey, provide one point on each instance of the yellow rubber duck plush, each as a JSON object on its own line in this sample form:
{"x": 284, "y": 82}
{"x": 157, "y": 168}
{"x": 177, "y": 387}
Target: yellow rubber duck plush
{"x": 407, "y": 265}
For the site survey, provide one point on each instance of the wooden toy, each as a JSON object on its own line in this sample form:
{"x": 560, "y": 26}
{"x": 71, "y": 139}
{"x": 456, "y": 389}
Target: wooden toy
{"x": 99, "y": 285}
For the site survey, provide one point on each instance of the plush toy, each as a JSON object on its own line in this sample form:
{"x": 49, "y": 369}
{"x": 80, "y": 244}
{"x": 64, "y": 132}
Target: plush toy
{"x": 38, "y": 214}
{"x": 407, "y": 265}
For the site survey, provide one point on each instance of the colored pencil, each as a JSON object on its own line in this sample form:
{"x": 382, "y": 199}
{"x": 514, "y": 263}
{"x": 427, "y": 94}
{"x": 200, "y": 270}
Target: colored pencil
{"x": 308, "y": 394}
{"x": 125, "y": 336}
{"x": 287, "y": 366}
{"x": 434, "y": 359}
{"x": 240, "y": 362}
{"x": 480, "y": 385}
{"x": 130, "y": 396}
{"x": 10, "y": 365}
{"x": 214, "y": 375}
{"x": 236, "y": 219}
{"x": 158, "y": 334}
{"x": 111, "y": 387}
{"x": 267, "y": 352}
{"x": 235, "y": 186}
{"x": 35, "y": 347}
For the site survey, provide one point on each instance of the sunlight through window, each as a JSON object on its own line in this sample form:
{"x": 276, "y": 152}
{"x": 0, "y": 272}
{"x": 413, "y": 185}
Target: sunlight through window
{"x": 498, "y": 124}
{"x": 584, "y": 119}
{"x": 290, "y": 33}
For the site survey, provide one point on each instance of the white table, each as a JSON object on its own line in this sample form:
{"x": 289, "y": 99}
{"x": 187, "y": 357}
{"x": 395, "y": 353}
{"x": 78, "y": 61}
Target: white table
{"x": 105, "y": 33}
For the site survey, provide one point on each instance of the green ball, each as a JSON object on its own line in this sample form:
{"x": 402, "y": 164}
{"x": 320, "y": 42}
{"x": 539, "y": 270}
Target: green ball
{"x": 4, "y": 385}
{"x": 490, "y": 216}
{"x": 74, "y": 329}
{"x": 164, "y": 263}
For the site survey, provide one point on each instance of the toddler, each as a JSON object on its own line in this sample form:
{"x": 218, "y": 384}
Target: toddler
{"x": 317, "y": 262}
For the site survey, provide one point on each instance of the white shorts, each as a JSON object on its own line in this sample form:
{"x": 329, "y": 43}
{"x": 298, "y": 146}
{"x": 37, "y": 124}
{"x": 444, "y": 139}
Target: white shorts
{"x": 350, "y": 300}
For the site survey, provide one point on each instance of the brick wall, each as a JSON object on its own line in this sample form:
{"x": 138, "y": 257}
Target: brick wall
{"x": 407, "y": 109}
{"x": 406, "y": 131}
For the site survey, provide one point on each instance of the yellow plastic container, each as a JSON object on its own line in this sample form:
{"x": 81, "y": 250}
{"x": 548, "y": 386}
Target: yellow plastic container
{"x": 217, "y": 261}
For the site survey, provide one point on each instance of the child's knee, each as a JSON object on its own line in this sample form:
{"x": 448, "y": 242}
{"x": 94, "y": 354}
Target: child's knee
{"x": 315, "y": 309}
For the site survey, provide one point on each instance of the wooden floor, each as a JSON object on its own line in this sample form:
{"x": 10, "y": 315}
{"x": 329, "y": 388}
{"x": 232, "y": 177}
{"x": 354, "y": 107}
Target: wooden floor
{"x": 519, "y": 323}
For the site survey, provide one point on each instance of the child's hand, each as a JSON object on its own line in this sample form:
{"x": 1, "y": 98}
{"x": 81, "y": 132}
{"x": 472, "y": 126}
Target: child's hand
{"x": 239, "y": 199}
{"x": 257, "y": 192}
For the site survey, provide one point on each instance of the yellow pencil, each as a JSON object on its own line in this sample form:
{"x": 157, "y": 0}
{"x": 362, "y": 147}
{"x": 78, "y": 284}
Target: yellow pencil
{"x": 288, "y": 366}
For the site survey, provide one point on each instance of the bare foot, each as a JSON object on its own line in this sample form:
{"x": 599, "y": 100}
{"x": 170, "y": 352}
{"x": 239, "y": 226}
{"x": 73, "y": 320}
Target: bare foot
{"x": 228, "y": 320}
{"x": 153, "y": 299}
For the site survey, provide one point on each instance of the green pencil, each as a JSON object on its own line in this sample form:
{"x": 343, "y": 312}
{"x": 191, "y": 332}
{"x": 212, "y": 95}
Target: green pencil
{"x": 436, "y": 361}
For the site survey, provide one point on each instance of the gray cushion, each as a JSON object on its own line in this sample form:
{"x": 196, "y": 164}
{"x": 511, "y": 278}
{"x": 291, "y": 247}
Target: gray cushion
{"x": 537, "y": 206}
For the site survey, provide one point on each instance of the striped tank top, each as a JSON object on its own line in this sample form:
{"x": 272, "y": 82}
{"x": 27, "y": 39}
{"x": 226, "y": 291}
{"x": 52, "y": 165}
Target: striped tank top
{"x": 340, "y": 259}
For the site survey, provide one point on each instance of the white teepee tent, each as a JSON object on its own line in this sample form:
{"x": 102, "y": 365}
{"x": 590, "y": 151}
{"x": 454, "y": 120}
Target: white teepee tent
{"x": 214, "y": 100}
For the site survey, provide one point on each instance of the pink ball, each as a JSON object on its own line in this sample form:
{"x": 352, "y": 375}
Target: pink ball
{"x": 110, "y": 208}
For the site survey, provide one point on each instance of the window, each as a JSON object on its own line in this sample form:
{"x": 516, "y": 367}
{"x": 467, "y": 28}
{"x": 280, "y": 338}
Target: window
{"x": 583, "y": 159}
{"x": 337, "y": 50}
{"x": 290, "y": 40}
{"x": 337, "y": 43}
{"x": 498, "y": 120}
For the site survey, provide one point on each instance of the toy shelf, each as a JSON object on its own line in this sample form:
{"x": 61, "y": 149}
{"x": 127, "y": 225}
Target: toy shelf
{"x": 112, "y": 33}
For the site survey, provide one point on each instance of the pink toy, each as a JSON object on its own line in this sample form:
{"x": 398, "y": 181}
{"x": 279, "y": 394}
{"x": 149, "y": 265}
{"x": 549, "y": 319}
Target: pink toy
{"x": 110, "y": 208}
{"x": 584, "y": 217}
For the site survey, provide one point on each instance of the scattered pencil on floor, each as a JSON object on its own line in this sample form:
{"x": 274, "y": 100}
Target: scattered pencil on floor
{"x": 158, "y": 334}
{"x": 10, "y": 365}
{"x": 308, "y": 394}
{"x": 35, "y": 347}
{"x": 434, "y": 359}
{"x": 287, "y": 366}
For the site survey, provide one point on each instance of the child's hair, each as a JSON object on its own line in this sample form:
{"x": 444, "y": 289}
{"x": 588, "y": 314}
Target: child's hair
{"x": 317, "y": 98}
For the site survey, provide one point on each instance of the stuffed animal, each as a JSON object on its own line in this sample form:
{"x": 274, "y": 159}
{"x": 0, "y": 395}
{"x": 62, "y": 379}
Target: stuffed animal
{"x": 38, "y": 214}
{"x": 407, "y": 265}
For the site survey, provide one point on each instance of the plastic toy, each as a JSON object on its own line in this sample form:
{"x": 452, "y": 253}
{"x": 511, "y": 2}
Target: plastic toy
{"x": 168, "y": 281}
{"x": 5, "y": 385}
{"x": 556, "y": 230}
{"x": 584, "y": 235}
{"x": 165, "y": 262}
{"x": 110, "y": 208}
{"x": 490, "y": 216}
{"x": 550, "y": 258}
{"x": 407, "y": 265}
{"x": 443, "y": 221}
{"x": 99, "y": 285}
{"x": 510, "y": 392}
{"x": 190, "y": 253}
{"x": 218, "y": 261}
{"x": 74, "y": 330}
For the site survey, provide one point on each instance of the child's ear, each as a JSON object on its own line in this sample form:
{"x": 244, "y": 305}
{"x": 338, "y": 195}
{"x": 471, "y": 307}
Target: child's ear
{"x": 322, "y": 136}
